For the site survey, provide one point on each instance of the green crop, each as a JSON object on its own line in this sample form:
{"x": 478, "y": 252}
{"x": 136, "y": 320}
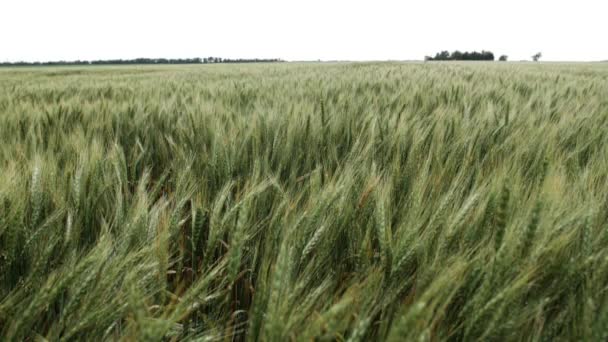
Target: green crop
{"x": 305, "y": 202}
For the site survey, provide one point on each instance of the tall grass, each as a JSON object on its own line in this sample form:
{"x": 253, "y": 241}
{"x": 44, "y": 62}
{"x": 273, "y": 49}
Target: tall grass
{"x": 305, "y": 202}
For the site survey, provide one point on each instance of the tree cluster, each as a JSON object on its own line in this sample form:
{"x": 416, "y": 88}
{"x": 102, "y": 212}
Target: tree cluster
{"x": 461, "y": 56}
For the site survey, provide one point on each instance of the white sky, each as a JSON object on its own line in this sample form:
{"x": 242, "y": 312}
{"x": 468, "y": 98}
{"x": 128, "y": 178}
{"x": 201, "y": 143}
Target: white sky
{"x": 301, "y": 30}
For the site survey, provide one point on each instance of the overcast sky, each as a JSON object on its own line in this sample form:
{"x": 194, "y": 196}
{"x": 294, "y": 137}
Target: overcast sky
{"x": 46, "y": 30}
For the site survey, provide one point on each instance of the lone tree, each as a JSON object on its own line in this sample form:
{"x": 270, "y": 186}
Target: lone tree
{"x": 503, "y": 58}
{"x": 537, "y": 56}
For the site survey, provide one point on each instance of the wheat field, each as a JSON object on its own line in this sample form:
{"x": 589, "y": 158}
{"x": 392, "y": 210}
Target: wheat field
{"x": 305, "y": 202}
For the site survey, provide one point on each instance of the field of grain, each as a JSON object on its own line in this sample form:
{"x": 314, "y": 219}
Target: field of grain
{"x": 366, "y": 201}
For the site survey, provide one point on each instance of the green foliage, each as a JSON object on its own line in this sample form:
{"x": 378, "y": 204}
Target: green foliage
{"x": 304, "y": 202}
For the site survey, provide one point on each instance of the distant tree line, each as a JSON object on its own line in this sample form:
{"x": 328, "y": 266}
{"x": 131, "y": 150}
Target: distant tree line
{"x": 240, "y": 60}
{"x": 206, "y": 60}
{"x": 461, "y": 56}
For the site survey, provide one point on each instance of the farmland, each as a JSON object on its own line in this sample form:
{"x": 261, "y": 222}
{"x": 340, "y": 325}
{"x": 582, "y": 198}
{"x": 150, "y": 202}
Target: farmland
{"x": 320, "y": 201}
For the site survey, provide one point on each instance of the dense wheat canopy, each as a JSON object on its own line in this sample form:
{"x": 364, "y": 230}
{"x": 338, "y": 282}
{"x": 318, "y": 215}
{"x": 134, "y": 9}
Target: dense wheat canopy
{"x": 365, "y": 201}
